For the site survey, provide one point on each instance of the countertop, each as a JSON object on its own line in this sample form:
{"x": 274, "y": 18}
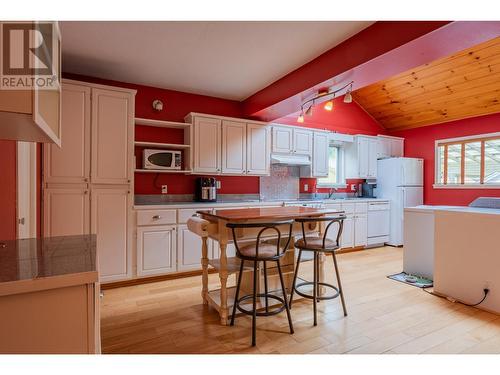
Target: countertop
{"x": 274, "y": 213}
{"x": 466, "y": 209}
{"x": 249, "y": 202}
{"x": 37, "y": 262}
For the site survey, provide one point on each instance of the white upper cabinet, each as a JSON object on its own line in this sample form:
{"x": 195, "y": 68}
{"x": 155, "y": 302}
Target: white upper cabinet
{"x": 302, "y": 141}
{"x": 207, "y": 145}
{"x": 112, "y": 136}
{"x": 234, "y": 147}
{"x": 361, "y": 157}
{"x": 223, "y": 145}
{"x": 389, "y": 146}
{"x": 320, "y": 154}
{"x": 258, "y": 149}
{"x": 71, "y": 162}
{"x": 292, "y": 140}
{"x": 282, "y": 139}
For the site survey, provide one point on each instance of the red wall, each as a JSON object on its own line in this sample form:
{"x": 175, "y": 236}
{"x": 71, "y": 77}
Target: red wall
{"x": 8, "y": 194}
{"x": 420, "y": 143}
{"x": 348, "y": 118}
{"x": 176, "y": 106}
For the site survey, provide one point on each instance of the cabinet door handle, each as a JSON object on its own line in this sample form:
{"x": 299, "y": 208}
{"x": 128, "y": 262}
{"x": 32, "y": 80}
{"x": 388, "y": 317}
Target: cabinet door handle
{"x": 156, "y": 217}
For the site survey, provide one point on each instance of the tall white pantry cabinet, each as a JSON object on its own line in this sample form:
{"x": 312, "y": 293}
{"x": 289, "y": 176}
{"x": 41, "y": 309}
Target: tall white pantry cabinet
{"x": 88, "y": 182}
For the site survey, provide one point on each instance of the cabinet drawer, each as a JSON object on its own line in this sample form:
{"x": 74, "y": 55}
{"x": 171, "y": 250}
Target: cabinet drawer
{"x": 348, "y": 208}
{"x": 184, "y": 214}
{"x": 361, "y": 208}
{"x": 156, "y": 217}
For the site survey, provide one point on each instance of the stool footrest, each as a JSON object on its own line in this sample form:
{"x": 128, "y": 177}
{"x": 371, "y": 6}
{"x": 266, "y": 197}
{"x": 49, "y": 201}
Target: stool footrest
{"x": 275, "y": 311}
{"x": 310, "y": 296}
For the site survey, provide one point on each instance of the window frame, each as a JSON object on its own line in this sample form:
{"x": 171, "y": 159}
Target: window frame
{"x": 341, "y": 184}
{"x": 462, "y": 141}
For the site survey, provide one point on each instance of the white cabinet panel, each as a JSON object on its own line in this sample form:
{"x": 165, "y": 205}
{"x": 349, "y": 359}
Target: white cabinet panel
{"x": 397, "y": 147}
{"x": 347, "y": 238}
{"x": 258, "y": 149}
{"x": 207, "y": 145}
{"x": 234, "y": 147}
{"x": 282, "y": 139}
{"x": 188, "y": 249}
{"x": 302, "y": 141}
{"x": 320, "y": 155}
{"x": 383, "y": 147}
{"x": 372, "y": 158}
{"x": 156, "y": 250}
{"x": 363, "y": 155}
{"x": 110, "y": 220}
{"x": 388, "y": 147}
{"x": 361, "y": 230}
{"x": 71, "y": 162}
{"x": 112, "y": 136}
{"x": 66, "y": 211}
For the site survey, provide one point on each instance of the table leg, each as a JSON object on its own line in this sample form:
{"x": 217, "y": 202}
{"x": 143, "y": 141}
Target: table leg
{"x": 223, "y": 274}
{"x": 204, "y": 266}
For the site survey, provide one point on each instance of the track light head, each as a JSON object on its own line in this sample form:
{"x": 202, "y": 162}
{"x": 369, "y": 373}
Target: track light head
{"x": 300, "y": 119}
{"x": 328, "y": 105}
{"x": 348, "y": 97}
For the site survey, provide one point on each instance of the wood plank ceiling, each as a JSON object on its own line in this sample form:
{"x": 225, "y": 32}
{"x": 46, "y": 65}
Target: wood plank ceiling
{"x": 466, "y": 84}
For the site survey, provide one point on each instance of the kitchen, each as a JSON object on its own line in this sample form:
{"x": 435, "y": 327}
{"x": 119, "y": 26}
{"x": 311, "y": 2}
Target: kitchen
{"x": 148, "y": 210}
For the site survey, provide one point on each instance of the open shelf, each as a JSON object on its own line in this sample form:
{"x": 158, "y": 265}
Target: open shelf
{"x": 162, "y": 145}
{"x": 137, "y": 170}
{"x": 161, "y": 123}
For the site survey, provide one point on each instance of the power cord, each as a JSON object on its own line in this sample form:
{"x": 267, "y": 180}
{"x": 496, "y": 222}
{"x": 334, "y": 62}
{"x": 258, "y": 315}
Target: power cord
{"x": 485, "y": 290}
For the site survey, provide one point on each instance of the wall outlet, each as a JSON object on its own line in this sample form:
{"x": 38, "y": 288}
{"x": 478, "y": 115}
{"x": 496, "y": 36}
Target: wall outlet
{"x": 217, "y": 184}
{"x": 353, "y": 187}
{"x": 164, "y": 189}
{"x": 306, "y": 187}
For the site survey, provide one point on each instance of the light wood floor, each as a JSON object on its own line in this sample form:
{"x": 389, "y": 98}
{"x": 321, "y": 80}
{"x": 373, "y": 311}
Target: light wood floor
{"x": 384, "y": 317}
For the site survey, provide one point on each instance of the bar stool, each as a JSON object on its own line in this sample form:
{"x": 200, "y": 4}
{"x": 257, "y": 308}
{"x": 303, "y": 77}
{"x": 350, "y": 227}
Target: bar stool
{"x": 318, "y": 245}
{"x": 261, "y": 252}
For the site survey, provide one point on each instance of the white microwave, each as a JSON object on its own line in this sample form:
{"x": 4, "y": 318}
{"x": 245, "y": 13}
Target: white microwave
{"x": 162, "y": 159}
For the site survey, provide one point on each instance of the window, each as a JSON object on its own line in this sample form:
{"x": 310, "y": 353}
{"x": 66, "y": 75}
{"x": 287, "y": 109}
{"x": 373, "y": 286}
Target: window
{"x": 468, "y": 162}
{"x": 335, "y": 168}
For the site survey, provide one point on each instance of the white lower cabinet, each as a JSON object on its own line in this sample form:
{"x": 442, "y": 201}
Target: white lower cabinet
{"x": 189, "y": 249}
{"x": 156, "y": 250}
{"x": 110, "y": 220}
{"x": 360, "y": 230}
{"x": 347, "y": 238}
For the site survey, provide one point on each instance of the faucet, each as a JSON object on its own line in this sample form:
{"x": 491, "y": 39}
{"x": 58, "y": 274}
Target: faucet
{"x": 331, "y": 192}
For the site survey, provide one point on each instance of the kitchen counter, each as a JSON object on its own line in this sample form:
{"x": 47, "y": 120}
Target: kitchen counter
{"x": 40, "y": 263}
{"x": 251, "y": 202}
{"x": 479, "y": 210}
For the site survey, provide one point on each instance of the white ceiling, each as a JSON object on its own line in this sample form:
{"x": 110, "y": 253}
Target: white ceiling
{"x": 231, "y": 60}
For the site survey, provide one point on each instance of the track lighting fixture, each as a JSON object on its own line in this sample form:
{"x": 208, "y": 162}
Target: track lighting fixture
{"x": 328, "y": 106}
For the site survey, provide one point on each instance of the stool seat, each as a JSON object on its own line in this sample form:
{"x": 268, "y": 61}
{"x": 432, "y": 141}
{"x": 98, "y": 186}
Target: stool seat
{"x": 266, "y": 251}
{"x": 316, "y": 243}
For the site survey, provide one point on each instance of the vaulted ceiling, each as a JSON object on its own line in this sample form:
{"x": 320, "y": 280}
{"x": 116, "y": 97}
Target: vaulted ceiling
{"x": 465, "y": 84}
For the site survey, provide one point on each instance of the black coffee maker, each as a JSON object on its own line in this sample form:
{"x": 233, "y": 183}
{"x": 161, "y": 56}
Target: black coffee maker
{"x": 206, "y": 189}
{"x": 367, "y": 189}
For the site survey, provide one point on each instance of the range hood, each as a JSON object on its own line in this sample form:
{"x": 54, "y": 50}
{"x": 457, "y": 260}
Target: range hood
{"x": 290, "y": 159}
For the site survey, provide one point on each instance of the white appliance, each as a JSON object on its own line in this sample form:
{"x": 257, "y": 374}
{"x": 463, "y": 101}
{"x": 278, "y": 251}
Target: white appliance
{"x": 401, "y": 181}
{"x": 162, "y": 159}
{"x": 290, "y": 159}
{"x": 378, "y": 223}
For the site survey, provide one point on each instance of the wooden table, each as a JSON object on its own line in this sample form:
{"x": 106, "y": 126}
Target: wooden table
{"x": 225, "y": 266}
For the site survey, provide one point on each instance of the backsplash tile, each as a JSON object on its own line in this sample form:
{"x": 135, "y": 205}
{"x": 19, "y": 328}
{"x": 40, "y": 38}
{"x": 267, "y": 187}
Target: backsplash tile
{"x": 283, "y": 183}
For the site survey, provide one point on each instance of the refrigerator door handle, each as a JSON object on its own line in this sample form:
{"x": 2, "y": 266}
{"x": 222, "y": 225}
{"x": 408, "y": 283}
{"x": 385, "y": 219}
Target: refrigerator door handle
{"x": 403, "y": 179}
{"x": 403, "y": 201}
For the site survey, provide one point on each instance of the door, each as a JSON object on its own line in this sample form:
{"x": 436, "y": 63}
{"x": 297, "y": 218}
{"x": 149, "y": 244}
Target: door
{"x": 347, "y": 237}
{"x": 361, "y": 230}
{"x": 66, "y": 211}
{"x": 320, "y": 154}
{"x": 412, "y": 171}
{"x": 207, "y": 145}
{"x": 110, "y": 220}
{"x": 26, "y": 190}
{"x": 372, "y": 158}
{"x": 188, "y": 249}
{"x": 282, "y": 139}
{"x": 363, "y": 156}
{"x": 234, "y": 147}
{"x": 156, "y": 250}
{"x": 383, "y": 147}
{"x": 112, "y": 136}
{"x": 302, "y": 141}
{"x": 258, "y": 149}
{"x": 70, "y": 163}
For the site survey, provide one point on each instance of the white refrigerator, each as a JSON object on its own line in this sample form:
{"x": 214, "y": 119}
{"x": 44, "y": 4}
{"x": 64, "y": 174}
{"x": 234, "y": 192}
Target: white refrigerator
{"x": 401, "y": 181}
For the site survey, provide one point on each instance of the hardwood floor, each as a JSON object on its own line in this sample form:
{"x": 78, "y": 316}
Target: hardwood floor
{"x": 384, "y": 317}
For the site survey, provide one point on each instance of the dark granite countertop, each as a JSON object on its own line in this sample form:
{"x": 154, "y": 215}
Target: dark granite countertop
{"x": 37, "y": 258}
